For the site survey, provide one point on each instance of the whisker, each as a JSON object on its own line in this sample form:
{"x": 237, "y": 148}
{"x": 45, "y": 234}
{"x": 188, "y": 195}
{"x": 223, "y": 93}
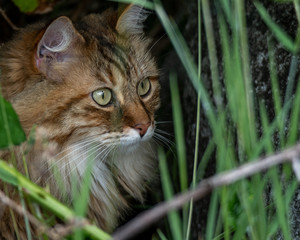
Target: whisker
{"x": 97, "y": 150}
{"x": 83, "y": 144}
{"x": 165, "y": 141}
{"x": 163, "y": 122}
{"x": 163, "y": 132}
{"x": 156, "y": 42}
{"x": 163, "y": 138}
{"x": 89, "y": 153}
{"x": 160, "y": 142}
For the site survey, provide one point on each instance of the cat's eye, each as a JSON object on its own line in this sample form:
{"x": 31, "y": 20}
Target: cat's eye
{"x": 102, "y": 96}
{"x": 144, "y": 87}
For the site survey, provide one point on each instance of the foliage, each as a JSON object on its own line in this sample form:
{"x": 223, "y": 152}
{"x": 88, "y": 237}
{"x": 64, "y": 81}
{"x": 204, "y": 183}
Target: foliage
{"x": 26, "y": 6}
{"x": 11, "y": 131}
{"x": 245, "y": 209}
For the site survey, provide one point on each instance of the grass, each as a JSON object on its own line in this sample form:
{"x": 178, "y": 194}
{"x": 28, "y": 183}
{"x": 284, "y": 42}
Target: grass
{"x": 241, "y": 211}
{"x": 256, "y": 207}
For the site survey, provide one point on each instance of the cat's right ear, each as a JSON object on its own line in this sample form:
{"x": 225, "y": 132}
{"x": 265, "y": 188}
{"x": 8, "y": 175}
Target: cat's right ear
{"x": 56, "y": 45}
{"x": 130, "y": 22}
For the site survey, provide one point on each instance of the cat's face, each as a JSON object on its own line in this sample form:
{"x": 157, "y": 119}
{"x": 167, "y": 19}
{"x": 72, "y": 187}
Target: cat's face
{"x": 112, "y": 98}
{"x": 98, "y": 82}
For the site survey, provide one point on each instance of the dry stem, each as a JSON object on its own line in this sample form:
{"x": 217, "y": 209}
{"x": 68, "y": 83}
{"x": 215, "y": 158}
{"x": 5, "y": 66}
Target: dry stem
{"x": 10, "y": 23}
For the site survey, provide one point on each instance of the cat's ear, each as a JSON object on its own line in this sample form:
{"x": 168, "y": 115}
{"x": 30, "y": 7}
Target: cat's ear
{"x": 131, "y": 20}
{"x": 57, "y": 44}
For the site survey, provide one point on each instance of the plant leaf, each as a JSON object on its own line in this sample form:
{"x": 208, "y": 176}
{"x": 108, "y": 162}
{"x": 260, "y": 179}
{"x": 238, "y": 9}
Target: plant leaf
{"x": 11, "y": 132}
{"x": 26, "y": 5}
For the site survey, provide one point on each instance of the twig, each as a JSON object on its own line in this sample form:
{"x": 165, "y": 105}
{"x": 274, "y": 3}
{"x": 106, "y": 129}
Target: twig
{"x": 10, "y": 23}
{"x": 148, "y": 217}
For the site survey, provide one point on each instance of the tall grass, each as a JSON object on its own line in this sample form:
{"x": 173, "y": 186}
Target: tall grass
{"x": 256, "y": 207}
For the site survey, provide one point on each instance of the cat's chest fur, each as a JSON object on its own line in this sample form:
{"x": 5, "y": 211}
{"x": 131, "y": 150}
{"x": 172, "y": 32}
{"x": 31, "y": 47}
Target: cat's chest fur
{"x": 117, "y": 176}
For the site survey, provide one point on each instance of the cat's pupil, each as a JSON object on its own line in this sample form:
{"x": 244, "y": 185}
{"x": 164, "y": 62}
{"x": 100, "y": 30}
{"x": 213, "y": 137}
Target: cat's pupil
{"x": 102, "y": 95}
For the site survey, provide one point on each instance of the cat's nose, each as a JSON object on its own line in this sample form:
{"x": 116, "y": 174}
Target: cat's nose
{"x": 142, "y": 128}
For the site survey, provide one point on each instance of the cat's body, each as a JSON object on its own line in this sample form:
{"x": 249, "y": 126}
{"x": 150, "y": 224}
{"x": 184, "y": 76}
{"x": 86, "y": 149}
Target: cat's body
{"x": 91, "y": 88}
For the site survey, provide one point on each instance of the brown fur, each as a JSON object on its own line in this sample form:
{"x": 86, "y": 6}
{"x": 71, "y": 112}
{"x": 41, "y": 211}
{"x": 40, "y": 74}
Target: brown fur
{"x": 55, "y": 96}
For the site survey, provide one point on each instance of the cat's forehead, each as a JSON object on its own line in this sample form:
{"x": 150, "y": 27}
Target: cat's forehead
{"x": 123, "y": 64}
{"x": 117, "y": 61}
{"x": 119, "y": 77}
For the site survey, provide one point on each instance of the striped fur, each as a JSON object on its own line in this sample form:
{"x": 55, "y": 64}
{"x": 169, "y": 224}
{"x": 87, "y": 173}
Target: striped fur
{"x": 49, "y": 73}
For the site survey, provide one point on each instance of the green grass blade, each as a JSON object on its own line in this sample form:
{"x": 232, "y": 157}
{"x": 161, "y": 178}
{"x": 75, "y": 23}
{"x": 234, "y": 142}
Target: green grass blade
{"x": 248, "y": 123}
{"x": 277, "y": 191}
{"x": 281, "y": 36}
{"x": 179, "y": 132}
{"x": 212, "y": 216}
{"x": 180, "y": 143}
{"x": 247, "y": 204}
{"x": 212, "y": 53}
{"x": 186, "y": 59}
{"x": 46, "y": 200}
{"x": 267, "y": 135}
{"x": 196, "y": 152}
{"x": 173, "y": 216}
{"x": 275, "y": 91}
{"x": 241, "y": 228}
{"x": 294, "y": 118}
{"x": 82, "y": 195}
{"x": 291, "y": 79}
{"x": 280, "y": 204}
{"x": 205, "y": 159}
{"x": 27, "y": 225}
{"x": 161, "y": 235}
{"x": 274, "y": 78}
{"x": 143, "y": 3}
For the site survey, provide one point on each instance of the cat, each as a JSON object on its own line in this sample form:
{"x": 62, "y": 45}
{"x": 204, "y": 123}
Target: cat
{"x": 91, "y": 90}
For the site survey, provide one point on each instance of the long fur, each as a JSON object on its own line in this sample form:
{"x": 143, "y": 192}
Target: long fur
{"x": 72, "y": 130}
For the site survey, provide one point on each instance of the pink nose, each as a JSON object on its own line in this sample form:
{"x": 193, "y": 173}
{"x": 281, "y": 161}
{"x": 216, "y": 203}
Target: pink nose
{"x": 142, "y": 128}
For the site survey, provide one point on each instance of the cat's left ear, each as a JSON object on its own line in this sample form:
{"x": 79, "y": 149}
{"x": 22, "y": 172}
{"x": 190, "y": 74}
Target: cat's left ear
{"x": 131, "y": 20}
{"x": 57, "y": 45}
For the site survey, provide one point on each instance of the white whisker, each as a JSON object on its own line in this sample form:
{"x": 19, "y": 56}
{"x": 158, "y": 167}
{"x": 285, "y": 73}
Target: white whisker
{"x": 163, "y": 132}
{"x": 163, "y": 122}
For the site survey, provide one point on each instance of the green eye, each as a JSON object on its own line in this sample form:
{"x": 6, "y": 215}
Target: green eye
{"x": 144, "y": 87}
{"x": 102, "y": 96}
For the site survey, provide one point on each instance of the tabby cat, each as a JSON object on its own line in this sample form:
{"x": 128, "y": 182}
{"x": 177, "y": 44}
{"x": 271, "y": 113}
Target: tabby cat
{"x": 91, "y": 89}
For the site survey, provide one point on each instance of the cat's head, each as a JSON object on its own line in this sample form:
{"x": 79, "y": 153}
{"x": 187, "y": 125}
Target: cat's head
{"x": 95, "y": 78}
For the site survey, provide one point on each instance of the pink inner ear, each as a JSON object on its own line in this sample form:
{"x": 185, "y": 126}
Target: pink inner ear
{"x": 38, "y": 61}
{"x": 55, "y": 44}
